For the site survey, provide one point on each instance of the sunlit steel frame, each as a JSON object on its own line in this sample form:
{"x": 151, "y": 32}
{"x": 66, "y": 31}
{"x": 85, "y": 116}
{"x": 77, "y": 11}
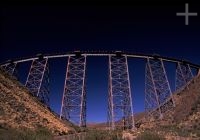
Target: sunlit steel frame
{"x": 120, "y": 110}
{"x": 10, "y": 68}
{"x": 73, "y": 106}
{"x": 38, "y": 80}
{"x": 158, "y": 95}
{"x": 152, "y": 94}
{"x": 183, "y": 75}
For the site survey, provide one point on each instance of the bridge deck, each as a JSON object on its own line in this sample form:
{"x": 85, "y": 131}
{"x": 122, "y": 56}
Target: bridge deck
{"x": 105, "y": 54}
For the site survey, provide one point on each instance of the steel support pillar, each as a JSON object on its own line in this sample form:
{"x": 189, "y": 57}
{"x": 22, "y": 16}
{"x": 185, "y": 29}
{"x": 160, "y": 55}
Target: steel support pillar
{"x": 38, "y": 80}
{"x": 183, "y": 75}
{"x": 10, "y": 68}
{"x": 120, "y": 110}
{"x": 198, "y": 72}
{"x": 73, "y": 106}
{"x": 158, "y": 95}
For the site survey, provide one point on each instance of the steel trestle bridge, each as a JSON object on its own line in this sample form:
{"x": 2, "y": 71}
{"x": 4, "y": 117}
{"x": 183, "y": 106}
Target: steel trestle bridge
{"x": 158, "y": 94}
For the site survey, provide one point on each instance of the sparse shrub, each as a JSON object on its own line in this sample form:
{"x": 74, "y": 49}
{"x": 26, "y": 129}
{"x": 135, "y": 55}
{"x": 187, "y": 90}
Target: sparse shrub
{"x": 77, "y": 128}
{"x": 45, "y": 120}
{"x": 198, "y": 133}
{"x": 173, "y": 128}
{"x": 4, "y": 126}
{"x": 69, "y": 132}
{"x": 20, "y": 107}
{"x": 147, "y": 135}
{"x": 1, "y": 111}
{"x": 103, "y": 135}
{"x": 195, "y": 126}
{"x": 43, "y": 134}
{"x": 57, "y": 132}
{"x": 25, "y": 134}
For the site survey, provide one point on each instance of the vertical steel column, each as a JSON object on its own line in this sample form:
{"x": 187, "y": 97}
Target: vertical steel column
{"x": 111, "y": 121}
{"x": 198, "y": 72}
{"x": 158, "y": 95}
{"x": 183, "y": 75}
{"x": 45, "y": 87}
{"x": 73, "y": 106}
{"x": 38, "y": 79}
{"x": 10, "y": 68}
{"x": 120, "y": 108}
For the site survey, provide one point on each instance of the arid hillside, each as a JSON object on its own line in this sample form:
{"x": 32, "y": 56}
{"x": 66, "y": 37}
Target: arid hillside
{"x": 183, "y": 121}
{"x": 19, "y": 109}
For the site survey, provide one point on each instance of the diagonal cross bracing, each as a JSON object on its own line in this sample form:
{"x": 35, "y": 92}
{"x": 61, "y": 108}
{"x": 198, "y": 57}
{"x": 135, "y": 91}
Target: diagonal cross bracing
{"x": 73, "y": 106}
{"x": 10, "y": 68}
{"x": 38, "y": 80}
{"x": 120, "y": 111}
{"x": 183, "y": 75}
{"x": 158, "y": 95}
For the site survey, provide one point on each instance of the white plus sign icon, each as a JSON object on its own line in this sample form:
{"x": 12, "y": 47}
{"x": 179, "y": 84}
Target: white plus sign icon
{"x": 186, "y": 14}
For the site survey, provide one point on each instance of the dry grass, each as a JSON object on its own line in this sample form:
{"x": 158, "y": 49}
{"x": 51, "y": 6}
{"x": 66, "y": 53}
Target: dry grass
{"x": 25, "y": 134}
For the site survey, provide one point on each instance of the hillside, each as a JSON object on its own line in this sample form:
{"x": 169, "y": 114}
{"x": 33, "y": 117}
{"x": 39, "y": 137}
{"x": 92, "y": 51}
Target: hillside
{"x": 183, "y": 121}
{"x": 19, "y": 109}
{"x": 180, "y": 123}
{"x": 104, "y": 125}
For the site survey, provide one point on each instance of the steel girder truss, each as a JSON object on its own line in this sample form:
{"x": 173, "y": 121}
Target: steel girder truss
{"x": 10, "y": 68}
{"x": 158, "y": 95}
{"x": 120, "y": 110}
{"x": 38, "y": 80}
{"x": 73, "y": 106}
{"x": 183, "y": 75}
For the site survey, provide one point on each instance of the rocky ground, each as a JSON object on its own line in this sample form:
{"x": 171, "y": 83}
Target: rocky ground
{"x": 180, "y": 123}
{"x": 19, "y": 109}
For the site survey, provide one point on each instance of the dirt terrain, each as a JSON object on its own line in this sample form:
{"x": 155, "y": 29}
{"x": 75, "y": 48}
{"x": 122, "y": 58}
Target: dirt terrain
{"x": 19, "y": 109}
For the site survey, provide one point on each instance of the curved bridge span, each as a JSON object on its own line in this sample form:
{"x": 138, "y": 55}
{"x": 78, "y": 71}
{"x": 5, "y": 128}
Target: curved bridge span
{"x": 102, "y": 53}
{"x": 158, "y": 94}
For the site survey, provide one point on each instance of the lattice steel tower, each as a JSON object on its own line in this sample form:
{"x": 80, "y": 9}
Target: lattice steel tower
{"x": 183, "y": 75}
{"x": 38, "y": 79}
{"x": 120, "y": 110}
{"x": 10, "y": 67}
{"x": 73, "y": 106}
{"x": 158, "y": 95}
